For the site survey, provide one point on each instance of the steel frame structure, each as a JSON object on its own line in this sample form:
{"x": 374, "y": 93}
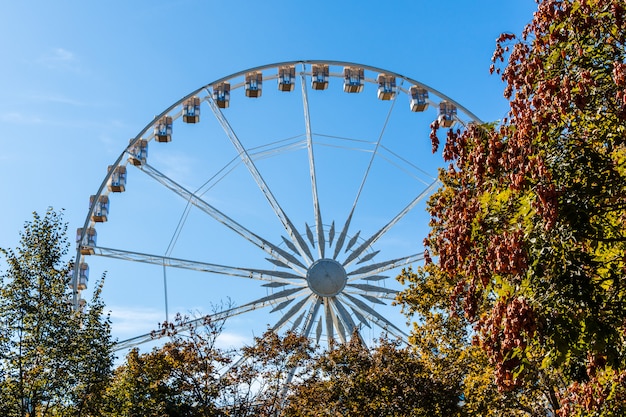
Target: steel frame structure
{"x": 303, "y": 295}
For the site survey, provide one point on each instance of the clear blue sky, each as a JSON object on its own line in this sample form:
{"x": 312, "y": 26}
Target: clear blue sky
{"x": 79, "y": 78}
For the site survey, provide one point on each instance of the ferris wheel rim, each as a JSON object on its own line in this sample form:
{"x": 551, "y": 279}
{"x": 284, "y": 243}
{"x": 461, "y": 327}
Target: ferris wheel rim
{"x": 207, "y": 88}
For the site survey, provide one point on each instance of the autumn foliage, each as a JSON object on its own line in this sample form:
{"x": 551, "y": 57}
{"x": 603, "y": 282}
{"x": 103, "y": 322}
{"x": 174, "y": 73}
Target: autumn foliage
{"x": 529, "y": 228}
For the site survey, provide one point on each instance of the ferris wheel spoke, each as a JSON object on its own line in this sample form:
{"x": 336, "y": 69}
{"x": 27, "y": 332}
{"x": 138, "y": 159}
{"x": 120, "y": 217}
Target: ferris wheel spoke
{"x": 329, "y": 319}
{"x": 219, "y": 316}
{"x": 368, "y": 257}
{"x": 342, "y": 235}
{"x": 312, "y": 314}
{"x": 372, "y": 299}
{"x": 297, "y": 321}
{"x": 282, "y": 305}
{"x": 261, "y": 243}
{"x": 358, "y": 313}
{"x": 295, "y": 309}
{"x": 389, "y": 327}
{"x": 344, "y": 232}
{"x": 302, "y": 247}
{"x": 318, "y": 331}
{"x": 375, "y": 278}
{"x": 349, "y": 324}
{"x": 278, "y": 297}
{"x": 341, "y": 330}
{"x": 374, "y": 269}
{"x": 390, "y": 296}
{"x": 289, "y": 244}
{"x": 278, "y": 277}
{"x": 368, "y": 288}
{"x": 376, "y": 317}
{"x": 135, "y": 341}
{"x": 369, "y": 242}
{"x": 374, "y": 295}
{"x": 353, "y": 240}
{"x": 331, "y": 233}
{"x": 309, "y": 140}
{"x": 309, "y": 234}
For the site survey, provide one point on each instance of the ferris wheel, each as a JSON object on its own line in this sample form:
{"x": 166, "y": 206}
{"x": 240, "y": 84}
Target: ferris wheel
{"x": 294, "y": 190}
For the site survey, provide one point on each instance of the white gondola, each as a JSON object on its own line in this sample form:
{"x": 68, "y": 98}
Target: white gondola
{"x": 286, "y": 77}
{"x": 447, "y": 114}
{"x": 89, "y": 242}
{"x": 117, "y": 181}
{"x": 100, "y": 206}
{"x": 191, "y": 110}
{"x": 319, "y": 76}
{"x": 221, "y": 95}
{"x": 353, "y": 78}
{"x": 83, "y": 276}
{"x": 386, "y": 86}
{"x": 163, "y": 129}
{"x": 254, "y": 84}
{"x": 419, "y": 98}
{"x": 138, "y": 152}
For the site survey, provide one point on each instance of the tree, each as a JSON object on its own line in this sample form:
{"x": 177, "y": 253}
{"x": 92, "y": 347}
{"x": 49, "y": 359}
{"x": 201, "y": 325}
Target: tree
{"x": 180, "y": 378}
{"x": 53, "y": 360}
{"x": 528, "y": 229}
{"x": 260, "y": 382}
{"x": 191, "y": 376}
{"x": 276, "y": 376}
{"x": 354, "y": 380}
{"x": 442, "y": 338}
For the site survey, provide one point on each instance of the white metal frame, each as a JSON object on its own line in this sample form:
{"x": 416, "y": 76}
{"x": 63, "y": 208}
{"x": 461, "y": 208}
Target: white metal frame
{"x": 349, "y": 310}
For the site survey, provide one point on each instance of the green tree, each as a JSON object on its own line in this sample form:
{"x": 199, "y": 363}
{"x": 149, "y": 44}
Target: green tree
{"x": 354, "y": 380}
{"x": 191, "y": 376}
{"x": 137, "y": 386}
{"x": 260, "y": 383}
{"x": 180, "y": 378}
{"x": 442, "y": 338}
{"x": 53, "y": 360}
{"x": 528, "y": 230}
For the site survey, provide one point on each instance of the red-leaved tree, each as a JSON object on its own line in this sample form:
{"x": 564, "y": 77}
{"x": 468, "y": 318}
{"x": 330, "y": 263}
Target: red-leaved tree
{"x": 529, "y": 228}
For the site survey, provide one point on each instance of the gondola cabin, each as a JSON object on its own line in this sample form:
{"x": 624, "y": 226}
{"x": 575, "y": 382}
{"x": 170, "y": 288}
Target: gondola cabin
{"x": 221, "y": 95}
{"x": 319, "y": 76}
{"x": 353, "y": 78}
{"x": 386, "y": 86}
{"x": 89, "y": 241}
{"x": 286, "y": 77}
{"x": 419, "y": 98}
{"x": 83, "y": 276}
{"x": 138, "y": 152}
{"x": 447, "y": 114}
{"x": 117, "y": 181}
{"x": 191, "y": 110}
{"x": 100, "y": 206}
{"x": 254, "y": 84}
{"x": 163, "y": 129}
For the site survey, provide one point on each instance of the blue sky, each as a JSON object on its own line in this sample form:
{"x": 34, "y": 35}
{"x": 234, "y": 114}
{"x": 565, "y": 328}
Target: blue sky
{"x": 79, "y": 79}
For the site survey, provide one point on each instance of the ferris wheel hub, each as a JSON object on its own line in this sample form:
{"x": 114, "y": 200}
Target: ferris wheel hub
{"x": 326, "y": 277}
